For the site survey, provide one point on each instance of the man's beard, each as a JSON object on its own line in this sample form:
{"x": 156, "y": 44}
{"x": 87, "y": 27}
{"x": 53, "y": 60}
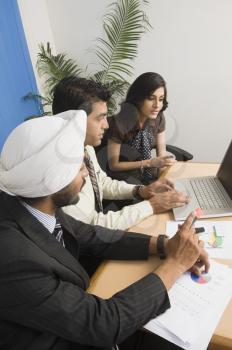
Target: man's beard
{"x": 65, "y": 197}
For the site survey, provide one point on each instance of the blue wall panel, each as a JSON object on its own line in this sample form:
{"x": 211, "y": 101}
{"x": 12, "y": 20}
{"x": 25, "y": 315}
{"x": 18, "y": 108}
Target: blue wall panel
{"x": 16, "y": 73}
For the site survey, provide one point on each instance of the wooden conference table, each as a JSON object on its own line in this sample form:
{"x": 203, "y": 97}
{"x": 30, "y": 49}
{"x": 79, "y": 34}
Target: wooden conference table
{"x": 113, "y": 276}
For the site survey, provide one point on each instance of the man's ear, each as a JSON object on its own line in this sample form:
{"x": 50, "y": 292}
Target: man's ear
{"x": 87, "y": 107}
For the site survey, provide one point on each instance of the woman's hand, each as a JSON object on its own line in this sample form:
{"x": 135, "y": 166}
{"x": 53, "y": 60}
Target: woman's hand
{"x": 160, "y": 162}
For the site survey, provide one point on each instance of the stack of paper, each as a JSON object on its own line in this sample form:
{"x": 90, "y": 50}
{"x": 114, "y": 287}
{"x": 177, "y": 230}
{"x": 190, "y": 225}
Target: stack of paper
{"x": 196, "y": 307}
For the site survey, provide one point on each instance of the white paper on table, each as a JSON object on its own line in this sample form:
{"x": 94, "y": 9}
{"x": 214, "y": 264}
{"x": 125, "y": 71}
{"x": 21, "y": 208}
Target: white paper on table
{"x": 223, "y": 228}
{"x": 203, "y": 339}
{"x": 195, "y": 308}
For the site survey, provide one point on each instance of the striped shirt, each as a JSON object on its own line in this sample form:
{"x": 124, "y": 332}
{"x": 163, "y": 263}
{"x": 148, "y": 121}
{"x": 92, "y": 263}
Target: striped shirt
{"x": 49, "y": 221}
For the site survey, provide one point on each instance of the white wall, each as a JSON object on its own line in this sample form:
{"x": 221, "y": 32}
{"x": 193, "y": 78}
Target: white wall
{"x": 190, "y": 45}
{"x": 75, "y": 25}
{"x": 37, "y": 29}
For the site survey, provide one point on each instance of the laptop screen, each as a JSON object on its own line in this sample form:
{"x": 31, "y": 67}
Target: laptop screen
{"x": 225, "y": 171}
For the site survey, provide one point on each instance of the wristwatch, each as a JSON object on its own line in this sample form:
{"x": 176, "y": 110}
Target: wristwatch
{"x": 160, "y": 246}
{"x": 135, "y": 192}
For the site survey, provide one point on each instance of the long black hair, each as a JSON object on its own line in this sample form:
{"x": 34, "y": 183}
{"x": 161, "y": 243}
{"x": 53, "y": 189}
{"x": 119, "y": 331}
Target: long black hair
{"x": 143, "y": 87}
{"x": 127, "y": 120}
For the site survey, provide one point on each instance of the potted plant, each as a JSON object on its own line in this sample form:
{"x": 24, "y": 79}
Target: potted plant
{"x": 123, "y": 25}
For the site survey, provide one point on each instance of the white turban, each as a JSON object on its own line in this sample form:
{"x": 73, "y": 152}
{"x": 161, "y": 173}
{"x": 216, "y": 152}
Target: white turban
{"x": 43, "y": 155}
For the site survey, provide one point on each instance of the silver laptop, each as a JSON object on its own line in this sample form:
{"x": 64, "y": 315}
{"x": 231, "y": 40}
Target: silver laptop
{"x": 213, "y": 194}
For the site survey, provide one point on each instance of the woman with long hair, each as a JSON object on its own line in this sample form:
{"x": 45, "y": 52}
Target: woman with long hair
{"x": 138, "y": 128}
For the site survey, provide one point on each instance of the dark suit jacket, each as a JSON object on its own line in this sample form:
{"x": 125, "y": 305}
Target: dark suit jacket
{"x": 43, "y": 300}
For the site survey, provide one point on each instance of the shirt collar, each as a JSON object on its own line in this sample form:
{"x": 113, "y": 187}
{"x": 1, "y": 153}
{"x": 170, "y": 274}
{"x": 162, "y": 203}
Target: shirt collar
{"x": 47, "y": 220}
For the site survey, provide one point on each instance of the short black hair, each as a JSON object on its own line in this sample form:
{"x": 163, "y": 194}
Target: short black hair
{"x": 73, "y": 93}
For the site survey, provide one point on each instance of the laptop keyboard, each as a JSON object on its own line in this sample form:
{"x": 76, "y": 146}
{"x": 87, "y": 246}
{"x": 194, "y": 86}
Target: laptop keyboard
{"x": 209, "y": 193}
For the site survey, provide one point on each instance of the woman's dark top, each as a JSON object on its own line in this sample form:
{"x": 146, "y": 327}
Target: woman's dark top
{"x": 136, "y": 144}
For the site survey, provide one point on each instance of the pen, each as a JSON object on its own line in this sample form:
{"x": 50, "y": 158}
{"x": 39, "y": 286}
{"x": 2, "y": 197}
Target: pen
{"x": 199, "y": 229}
{"x": 198, "y": 213}
{"x": 194, "y": 220}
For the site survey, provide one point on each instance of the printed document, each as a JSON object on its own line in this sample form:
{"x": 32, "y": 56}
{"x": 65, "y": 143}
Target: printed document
{"x": 197, "y": 304}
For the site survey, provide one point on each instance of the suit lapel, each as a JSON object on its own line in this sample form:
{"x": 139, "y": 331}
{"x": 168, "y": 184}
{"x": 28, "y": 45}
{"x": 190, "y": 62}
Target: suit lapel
{"x": 36, "y": 231}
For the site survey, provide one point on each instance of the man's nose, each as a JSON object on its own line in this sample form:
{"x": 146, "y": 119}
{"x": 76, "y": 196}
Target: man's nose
{"x": 105, "y": 124}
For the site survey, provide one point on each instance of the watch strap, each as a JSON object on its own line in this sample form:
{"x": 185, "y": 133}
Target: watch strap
{"x": 135, "y": 192}
{"x": 160, "y": 246}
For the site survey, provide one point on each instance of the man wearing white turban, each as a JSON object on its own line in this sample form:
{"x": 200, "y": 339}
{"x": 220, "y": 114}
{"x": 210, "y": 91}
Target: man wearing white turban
{"x": 44, "y": 304}
{"x": 63, "y": 138}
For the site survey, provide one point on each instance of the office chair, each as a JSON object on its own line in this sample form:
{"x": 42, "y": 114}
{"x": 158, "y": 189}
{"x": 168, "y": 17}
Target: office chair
{"x": 179, "y": 153}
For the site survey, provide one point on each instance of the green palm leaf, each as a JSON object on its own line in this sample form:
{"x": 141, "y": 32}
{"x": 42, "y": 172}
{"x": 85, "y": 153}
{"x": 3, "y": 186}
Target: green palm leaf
{"x": 54, "y": 67}
{"x": 117, "y": 87}
{"x": 123, "y": 25}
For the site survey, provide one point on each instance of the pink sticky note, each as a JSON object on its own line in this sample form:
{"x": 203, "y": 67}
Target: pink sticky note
{"x": 198, "y": 212}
